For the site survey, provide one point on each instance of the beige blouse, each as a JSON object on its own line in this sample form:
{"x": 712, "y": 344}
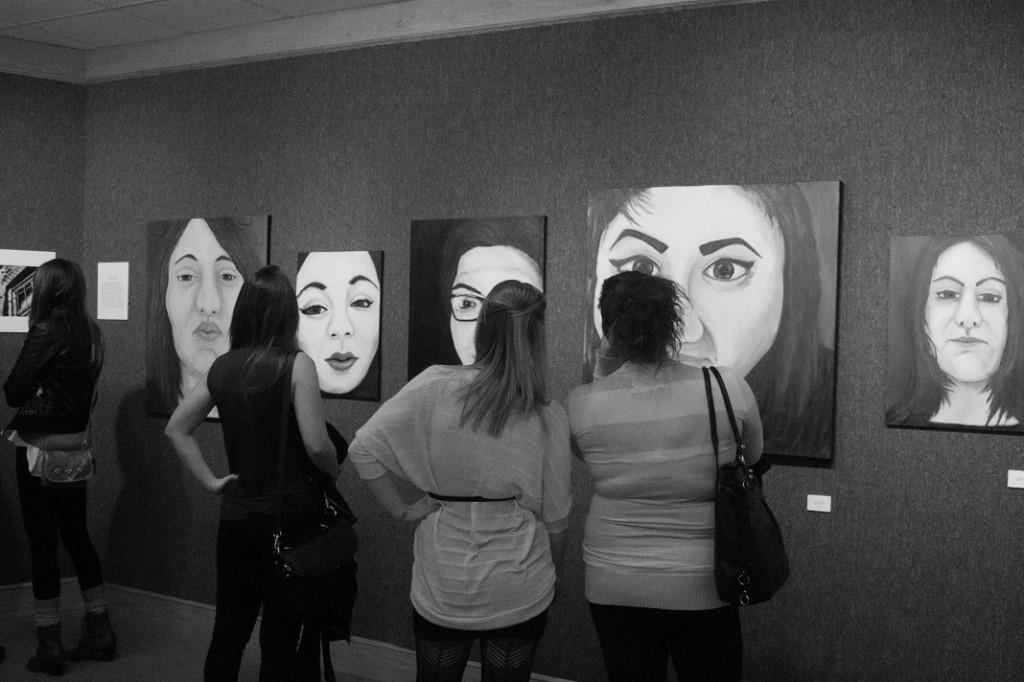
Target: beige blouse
{"x": 476, "y": 565}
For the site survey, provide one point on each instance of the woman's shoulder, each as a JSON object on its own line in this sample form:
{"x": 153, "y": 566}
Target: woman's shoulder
{"x": 445, "y": 373}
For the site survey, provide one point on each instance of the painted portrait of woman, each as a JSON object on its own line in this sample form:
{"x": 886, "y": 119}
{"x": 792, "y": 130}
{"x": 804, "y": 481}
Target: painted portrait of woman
{"x": 455, "y": 264}
{"x": 339, "y": 299}
{"x": 758, "y": 266}
{"x": 955, "y": 333}
{"x": 195, "y": 269}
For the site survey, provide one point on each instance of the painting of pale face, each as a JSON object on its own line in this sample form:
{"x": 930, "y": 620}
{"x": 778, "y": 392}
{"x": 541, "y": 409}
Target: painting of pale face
{"x": 966, "y": 314}
{"x": 195, "y": 268}
{"x": 454, "y": 264}
{"x": 339, "y": 295}
{"x": 724, "y": 252}
{"x": 202, "y": 285}
{"x": 479, "y": 270}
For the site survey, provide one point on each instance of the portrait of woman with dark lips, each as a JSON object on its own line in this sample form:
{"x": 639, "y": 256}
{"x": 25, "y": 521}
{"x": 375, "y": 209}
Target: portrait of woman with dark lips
{"x": 195, "y": 269}
{"x": 758, "y": 266}
{"x": 955, "y": 333}
{"x": 339, "y": 299}
{"x": 455, "y": 264}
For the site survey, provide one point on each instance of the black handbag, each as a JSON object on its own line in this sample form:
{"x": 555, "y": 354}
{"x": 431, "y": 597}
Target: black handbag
{"x": 750, "y": 557}
{"x": 317, "y": 571}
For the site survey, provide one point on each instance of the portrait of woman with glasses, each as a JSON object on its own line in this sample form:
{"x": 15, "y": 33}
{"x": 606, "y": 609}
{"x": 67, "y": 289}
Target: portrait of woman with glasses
{"x": 455, "y": 264}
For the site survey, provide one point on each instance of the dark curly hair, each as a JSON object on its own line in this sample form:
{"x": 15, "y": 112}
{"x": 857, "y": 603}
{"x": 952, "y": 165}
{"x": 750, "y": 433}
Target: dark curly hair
{"x": 642, "y": 316}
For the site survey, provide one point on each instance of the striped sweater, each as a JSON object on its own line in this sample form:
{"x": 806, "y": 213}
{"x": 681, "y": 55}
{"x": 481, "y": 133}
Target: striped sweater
{"x": 645, "y": 437}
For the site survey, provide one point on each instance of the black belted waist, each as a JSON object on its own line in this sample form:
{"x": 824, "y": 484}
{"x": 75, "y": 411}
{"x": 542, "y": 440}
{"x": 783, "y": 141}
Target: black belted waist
{"x": 468, "y": 498}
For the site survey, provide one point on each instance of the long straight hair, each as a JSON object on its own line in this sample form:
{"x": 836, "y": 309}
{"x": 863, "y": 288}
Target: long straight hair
{"x": 266, "y": 318}
{"x": 60, "y": 284}
{"x": 510, "y": 357}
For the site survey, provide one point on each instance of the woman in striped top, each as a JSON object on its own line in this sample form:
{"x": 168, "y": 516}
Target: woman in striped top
{"x": 643, "y": 432}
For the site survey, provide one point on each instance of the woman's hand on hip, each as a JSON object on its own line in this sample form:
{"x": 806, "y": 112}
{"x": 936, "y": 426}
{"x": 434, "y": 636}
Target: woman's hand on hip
{"x": 217, "y": 485}
{"x": 420, "y": 508}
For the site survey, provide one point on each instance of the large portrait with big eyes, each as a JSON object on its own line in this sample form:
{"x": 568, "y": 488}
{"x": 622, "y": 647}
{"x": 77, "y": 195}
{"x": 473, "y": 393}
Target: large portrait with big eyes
{"x": 758, "y": 267}
{"x": 454, "y": 265}
{"x": 955, "y": 333}
{"x": 195, "y": 268}
{"x": 339, "y": 299}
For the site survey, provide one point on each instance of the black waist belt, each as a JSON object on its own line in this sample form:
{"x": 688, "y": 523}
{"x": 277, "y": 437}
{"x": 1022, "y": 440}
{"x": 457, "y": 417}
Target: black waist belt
{"x": 469, "y": 498}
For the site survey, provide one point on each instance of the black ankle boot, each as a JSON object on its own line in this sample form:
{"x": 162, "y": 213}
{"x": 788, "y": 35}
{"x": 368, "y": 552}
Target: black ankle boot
{"x": 97, "y": 642}
{"x": 49, "y": 656}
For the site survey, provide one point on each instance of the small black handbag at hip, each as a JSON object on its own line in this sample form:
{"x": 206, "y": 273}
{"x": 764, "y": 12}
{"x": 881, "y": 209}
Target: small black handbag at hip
{"x": 317, "y": 571}
{"x": 750, "y": 557}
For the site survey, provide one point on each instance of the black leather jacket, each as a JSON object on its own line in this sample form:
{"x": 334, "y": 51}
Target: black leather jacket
{"x": 52, "y": 383}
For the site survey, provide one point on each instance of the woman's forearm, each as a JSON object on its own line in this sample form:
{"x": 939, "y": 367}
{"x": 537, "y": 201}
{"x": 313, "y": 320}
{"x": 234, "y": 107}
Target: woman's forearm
{"x": 187, "y": 448}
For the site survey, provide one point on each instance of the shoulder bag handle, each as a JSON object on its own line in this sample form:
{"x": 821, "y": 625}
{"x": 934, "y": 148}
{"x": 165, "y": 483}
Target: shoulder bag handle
{"x": 737, "y": 436}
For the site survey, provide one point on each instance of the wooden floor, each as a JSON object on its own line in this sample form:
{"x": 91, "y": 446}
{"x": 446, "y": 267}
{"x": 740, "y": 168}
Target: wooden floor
{"x": 158, "y": 639}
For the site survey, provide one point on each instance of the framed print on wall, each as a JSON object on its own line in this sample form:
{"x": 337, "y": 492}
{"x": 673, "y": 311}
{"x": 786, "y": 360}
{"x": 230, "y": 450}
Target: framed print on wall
{"x": 17, "y": 269}
{"x": 195, "y": 269}
{"x": 758, "y": 265}
{"x": 339, "y": 299}
{"x": 955, "y": 333}
{"x": 454, "y": 265}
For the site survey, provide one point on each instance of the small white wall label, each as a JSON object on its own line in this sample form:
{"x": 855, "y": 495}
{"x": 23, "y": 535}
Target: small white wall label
{"x": 819, "y": 503}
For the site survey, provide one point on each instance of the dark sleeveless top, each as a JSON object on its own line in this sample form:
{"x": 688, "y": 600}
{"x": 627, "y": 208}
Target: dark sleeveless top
{"x": 248, "y": 398}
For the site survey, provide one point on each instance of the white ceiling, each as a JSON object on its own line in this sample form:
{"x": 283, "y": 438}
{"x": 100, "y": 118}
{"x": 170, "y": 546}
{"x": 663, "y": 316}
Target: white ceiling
{"x": 97, "y": 40}
{"x": 91, "y": 24}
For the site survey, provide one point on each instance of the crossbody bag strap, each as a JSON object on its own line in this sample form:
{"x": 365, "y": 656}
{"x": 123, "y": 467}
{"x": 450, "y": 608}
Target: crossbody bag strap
{"x": 282, "y": 440}
{"x": 740, "y": 447}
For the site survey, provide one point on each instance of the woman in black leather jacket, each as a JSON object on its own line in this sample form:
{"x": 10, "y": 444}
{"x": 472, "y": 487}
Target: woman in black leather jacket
{"x": 52, "y": 385}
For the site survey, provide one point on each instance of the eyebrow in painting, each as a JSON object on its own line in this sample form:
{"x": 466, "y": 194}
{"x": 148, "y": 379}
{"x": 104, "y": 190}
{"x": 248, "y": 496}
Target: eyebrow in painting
{"x": 981, "y": 281}
{"x": 655, "y": 244}
{"x": 712, "y": 246}
{"x": 362, "y": 278}
{"x": 460, "y": 285}
{"x": 312, "y": 285}
{"x": 224, "y": 257}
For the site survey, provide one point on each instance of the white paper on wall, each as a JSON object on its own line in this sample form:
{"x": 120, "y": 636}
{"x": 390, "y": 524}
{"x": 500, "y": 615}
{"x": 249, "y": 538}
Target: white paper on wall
{"x": 112, "y": 291}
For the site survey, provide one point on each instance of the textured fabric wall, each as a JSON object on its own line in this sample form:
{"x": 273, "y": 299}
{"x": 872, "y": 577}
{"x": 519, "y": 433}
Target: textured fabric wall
{"x": 918, "y": 107}
{"x": 41, "y": 165}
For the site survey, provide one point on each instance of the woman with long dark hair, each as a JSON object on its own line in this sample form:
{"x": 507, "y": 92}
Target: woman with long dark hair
{"x": 644, "y": 434}
{"x": 248, "y": 384}
{"x": 53, "y": 385}
{"x": 492, "y": 452}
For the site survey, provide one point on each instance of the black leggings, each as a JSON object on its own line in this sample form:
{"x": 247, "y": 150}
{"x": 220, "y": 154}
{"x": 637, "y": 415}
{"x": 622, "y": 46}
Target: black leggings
{"x": 637, "y": 643}
{"x": 246, "y": 581}
{"x": 506, "y": 654}
{"x": 50, "y": 513}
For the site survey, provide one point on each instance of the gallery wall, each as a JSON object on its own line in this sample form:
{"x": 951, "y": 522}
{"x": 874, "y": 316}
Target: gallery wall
{"x": 917, "y": 107}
